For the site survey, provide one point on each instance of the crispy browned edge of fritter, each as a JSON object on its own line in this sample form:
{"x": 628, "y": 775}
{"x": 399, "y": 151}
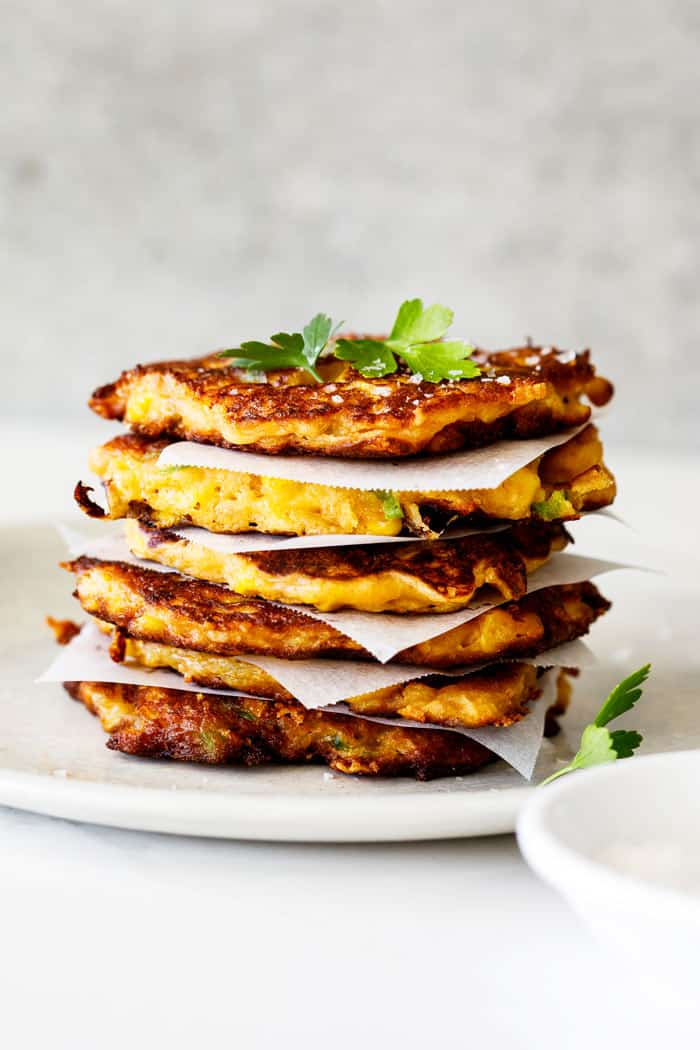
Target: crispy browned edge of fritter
{"x": 220, "y": 609}
{"x": 208, "y": 380}
{"x": 446, "y": 566}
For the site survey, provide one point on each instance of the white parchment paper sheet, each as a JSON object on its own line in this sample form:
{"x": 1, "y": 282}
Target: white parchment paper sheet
{"x": 87, "y": 659}
{"x": 110, "y": 546}
{"x": 317, "y": 682}
{"x": 482, "y": 468}
{"x": 249, "y": 542}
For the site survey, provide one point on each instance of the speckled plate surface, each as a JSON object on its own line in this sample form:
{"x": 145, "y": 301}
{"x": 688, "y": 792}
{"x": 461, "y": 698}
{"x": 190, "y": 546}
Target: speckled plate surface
{"x": 53, "y": 757}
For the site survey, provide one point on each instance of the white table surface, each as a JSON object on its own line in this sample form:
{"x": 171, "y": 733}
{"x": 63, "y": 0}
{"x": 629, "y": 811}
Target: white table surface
{"x": 112, "y": 938}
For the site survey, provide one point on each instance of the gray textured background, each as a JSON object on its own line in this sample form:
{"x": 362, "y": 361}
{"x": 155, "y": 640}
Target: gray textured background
{"x": 179, "y": 177}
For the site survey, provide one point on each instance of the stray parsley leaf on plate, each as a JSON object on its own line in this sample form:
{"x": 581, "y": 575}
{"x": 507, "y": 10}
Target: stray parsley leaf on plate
{"x": 286, "y": 350}
{"x": 598, "y": 744}
{"x": 416, "y": 338}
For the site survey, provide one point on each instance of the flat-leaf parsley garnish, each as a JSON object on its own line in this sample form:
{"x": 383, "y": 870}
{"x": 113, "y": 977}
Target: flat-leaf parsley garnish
{"x": 286, "y": 349}
{"x": 598, "y": 744}
{"x": 417, "y": 339}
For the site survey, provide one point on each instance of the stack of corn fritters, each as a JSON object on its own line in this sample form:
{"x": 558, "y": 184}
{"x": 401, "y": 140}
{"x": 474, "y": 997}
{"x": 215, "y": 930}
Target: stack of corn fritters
{"x": 218, "y": 608}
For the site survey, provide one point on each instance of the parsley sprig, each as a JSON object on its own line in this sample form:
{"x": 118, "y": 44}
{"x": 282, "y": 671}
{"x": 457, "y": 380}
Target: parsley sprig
{"x": 287, "y": 349}
{"x": 416, "y": 338}
{"x": 598, "y": 744}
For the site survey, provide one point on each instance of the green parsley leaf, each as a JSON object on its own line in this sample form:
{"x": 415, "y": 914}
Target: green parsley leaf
{"x": 625, "y": 742}
{"x": 413, "y": 324}
{"x": 416, "y": 338}
{"x": 598, "y": 744}
{"x": 390, "y": 504}
{"x": 554, "y": 508}
{"x": 370, "y": 357}
{"x": 286, "y": 350}
{"x": 316, "y": 334}
{"x": 623, "y": 697}
{"x": 596, "y": 748}
{"x": 436, "y": 361}
{"x": 338, "y": 743}
{"x": 172, "y": 469}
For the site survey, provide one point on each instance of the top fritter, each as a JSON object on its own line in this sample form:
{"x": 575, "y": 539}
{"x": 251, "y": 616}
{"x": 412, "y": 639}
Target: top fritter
{"x": 358, "y": 397}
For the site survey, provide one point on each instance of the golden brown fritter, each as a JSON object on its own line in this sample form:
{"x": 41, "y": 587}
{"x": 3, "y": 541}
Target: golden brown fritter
{"x": 192, "y": 614}
{"x": 521, "y": 393}
{"x": 437, "y": 576}
{"x": 201, "y": 727}
{"x": 496, "y": 696}
{"x": 228, "y": 501}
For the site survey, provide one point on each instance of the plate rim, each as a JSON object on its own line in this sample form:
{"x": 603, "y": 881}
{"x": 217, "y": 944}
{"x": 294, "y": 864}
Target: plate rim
{"x": 271, "y": 817}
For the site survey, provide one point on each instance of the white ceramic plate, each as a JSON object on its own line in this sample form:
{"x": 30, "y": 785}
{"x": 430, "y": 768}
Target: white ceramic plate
{"x": 53, "y": 759}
